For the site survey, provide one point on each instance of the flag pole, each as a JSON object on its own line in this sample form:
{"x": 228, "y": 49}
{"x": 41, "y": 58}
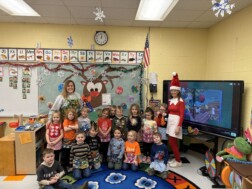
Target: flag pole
{"x": 147, "y": 74}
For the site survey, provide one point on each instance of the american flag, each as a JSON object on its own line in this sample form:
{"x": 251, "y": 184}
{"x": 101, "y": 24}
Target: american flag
{"x": 146, "y": 52}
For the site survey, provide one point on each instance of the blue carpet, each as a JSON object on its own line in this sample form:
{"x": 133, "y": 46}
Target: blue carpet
{"x": 124, "y": 179}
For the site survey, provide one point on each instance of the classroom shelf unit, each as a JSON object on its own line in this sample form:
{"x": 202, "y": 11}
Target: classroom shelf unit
{"x": 29, "y": 146}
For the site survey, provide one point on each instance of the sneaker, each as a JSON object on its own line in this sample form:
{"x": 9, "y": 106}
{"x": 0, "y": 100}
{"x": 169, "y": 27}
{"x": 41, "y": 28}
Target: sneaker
{"x": 171, "y": 161}
{"x": 164, "y": 175}
{"x": 84, "y": 186}
{"x": 176, "y": 164}
{"x": 151, "y": 172}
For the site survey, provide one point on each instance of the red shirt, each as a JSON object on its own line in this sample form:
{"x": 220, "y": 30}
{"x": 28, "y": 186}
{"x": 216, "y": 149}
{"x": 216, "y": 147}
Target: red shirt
{"x": 177, "y": 108}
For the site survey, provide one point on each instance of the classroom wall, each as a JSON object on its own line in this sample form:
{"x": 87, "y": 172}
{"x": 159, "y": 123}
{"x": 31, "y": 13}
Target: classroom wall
{"x": 172, "y": 49}
{"x": 221, "y": 52}
{"x": 229, "y": 55}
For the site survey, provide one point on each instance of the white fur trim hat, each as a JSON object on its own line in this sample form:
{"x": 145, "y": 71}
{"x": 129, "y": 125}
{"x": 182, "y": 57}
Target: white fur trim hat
{"x": 175, "y": 85}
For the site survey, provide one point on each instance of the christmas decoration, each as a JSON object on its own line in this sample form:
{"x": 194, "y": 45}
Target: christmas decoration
{"x": 99, "y": 14}
{"x": 222, "y": 7}
{"x": 70, "y": 41}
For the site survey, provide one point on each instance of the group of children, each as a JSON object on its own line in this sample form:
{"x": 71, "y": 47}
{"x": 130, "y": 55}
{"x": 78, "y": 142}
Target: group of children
{"x": 114, "y": 139}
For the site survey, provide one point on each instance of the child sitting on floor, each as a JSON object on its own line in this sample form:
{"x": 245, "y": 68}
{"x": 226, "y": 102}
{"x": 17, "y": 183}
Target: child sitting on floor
{"x": 159, "y": 156}
{"x": 50, "y": 171}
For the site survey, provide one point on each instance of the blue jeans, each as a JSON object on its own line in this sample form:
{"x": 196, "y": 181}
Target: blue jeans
{"x": 61, "y": 184}
{"x": 81, "y": 173}
{"x": 133, "y": 166}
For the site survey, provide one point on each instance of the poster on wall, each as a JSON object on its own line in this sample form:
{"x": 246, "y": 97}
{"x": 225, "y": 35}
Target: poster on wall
{"x": 107, "y": 56}
{"x": 132, "y": 57}
{"x": 106, "y": 99}
{"x": 90, "y": 56}
{"x": 115, "y": 57}
{"x": 99, "y": 56}
{"x": 48, "y": 55}
{"x": 82, "y": 56}
{"x": 65, "y": 55}
{"x": 12, "y": 54}
{"x": 139, "y": 57}
{"x": 56, "y": 55}
{"x": 30, "y": 54}
{"x": 21, "y": 54}
{"x": 39, "y": 54}
{"x": 73, "y": 55}
{"x": 4, "y": 54}
{"x": 123, "y": 57}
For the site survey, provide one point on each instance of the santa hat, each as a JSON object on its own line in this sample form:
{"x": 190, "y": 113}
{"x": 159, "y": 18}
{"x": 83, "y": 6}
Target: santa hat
{"x": 175, "y": 82}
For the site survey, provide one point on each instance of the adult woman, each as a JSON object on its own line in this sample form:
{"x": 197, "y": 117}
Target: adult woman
{"x": 67, "y": 99}
{"x": 176, "y": 110}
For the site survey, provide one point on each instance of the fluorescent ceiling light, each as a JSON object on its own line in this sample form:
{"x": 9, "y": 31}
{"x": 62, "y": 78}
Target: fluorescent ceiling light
{"x": 17, "y": 8}
{"x": 155, "y": 10}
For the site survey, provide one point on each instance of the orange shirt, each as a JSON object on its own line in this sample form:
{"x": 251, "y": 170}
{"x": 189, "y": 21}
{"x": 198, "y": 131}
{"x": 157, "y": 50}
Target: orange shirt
{"x": 70, "y": 135}
{"x": 132, "y": 148}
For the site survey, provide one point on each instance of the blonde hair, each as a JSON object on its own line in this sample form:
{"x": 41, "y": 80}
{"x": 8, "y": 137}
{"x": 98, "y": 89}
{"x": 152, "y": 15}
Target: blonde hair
{"x": 64, "y": 92}
{"x": 85, "y": 109}
{"x": 56, "y": 112}
{"x": 134, "y": 133}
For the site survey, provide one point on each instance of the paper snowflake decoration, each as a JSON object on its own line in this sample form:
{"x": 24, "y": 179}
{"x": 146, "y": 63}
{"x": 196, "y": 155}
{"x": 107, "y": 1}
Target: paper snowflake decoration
{"x": 222, "y": 7}
{"x": 104, "y": 73}
{"x": 70, "y": 41}
{"x": 99, "y": 14}
{"x": 61, "y": 74}
{"x": 76, "y": 73}
{"x": 40, "y": 81}
{"x": 142, "y": 81}
{"x": 132, "y": 74}
{"x": 46, "y": 72}
{"x": 121, "y": 74}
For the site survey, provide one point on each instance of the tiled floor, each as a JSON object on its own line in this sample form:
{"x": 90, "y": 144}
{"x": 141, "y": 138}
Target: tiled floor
{"x": 190, "y": 171}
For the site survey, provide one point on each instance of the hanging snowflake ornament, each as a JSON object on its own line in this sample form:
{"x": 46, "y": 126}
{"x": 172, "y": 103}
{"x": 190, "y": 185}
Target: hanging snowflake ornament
{"x": 70, "y": 41}
{"x": 99, "y": 14}
{"x": 222, "y": 7}
{"x": 61, "y": 74}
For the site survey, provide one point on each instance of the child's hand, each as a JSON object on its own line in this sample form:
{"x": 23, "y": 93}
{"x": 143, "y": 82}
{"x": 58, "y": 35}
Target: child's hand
{"x": 135, "y": 162}
{"x": 126, "y": 160}
{"x": 53, "y": 180}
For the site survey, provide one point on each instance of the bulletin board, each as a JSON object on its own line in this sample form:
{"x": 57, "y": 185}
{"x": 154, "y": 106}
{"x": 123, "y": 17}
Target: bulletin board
{"x": 123, "y": 83}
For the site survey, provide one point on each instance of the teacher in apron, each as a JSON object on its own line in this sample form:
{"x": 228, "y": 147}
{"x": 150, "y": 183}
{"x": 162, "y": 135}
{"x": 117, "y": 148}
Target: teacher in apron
{"x": 176, "y": 109}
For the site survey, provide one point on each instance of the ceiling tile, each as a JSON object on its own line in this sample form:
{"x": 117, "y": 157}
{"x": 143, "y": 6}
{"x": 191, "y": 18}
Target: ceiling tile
{"x": 184, "y": 15}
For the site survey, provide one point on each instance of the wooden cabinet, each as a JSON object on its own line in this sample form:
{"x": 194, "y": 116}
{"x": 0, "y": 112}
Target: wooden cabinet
{"x": 29, "y": 147}
{"x": 7, "y": 155}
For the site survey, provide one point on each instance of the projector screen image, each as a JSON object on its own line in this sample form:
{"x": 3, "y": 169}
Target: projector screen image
{"x": 211, "y": 106}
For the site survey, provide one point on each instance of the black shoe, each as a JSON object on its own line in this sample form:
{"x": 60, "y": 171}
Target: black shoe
{"x": 65, "y": 170}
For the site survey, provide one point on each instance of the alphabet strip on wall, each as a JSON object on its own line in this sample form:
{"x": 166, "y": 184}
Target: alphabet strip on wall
{"x": 72, "y": 56}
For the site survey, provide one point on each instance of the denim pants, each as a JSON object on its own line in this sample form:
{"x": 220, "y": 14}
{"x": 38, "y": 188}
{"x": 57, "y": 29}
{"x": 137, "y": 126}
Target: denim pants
{"x": 127, "y": 165}
{"x": 81, "y": 173}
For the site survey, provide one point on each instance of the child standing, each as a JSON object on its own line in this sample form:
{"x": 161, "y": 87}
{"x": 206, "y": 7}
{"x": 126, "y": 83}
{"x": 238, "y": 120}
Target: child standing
{"x": 104, "y": 125}
{"x": 112, "y": 112}
{"x": 149, "y": 128}
{"x": 120, "y": 121}
{"x": 116, "y": 150}
{"x": 84, "y": 121}
{"x": 54, "y": 134}
{"x": 80, "y": 157}
{"x": 49, "y": 173}
{"x": 132, "y": 152}
{"x": 135, "y": 120}
{"x": 70, "y": 126}
{"x": 159, "y": 156}
{"x": 94, "y": 143}
{"x": 161, "y": 119}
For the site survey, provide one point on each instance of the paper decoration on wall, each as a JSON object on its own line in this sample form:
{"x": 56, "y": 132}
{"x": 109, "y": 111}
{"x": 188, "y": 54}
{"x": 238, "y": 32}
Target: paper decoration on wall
{"x": 222, "y": 7}
{"x": 70, "y": 41}
{"x": 12, "y": 54}
{"x": 124, "y": 106}
{"x": 99, "y": 15}
{"x": 134, "y": 89}
{"x": 131, "y": 99}
{"x": 26, "y": 83}
{"x": 1, "y": 72}
{"x": 119, "y": 90}
{"x": 41, "y": 99}
{"x": 106, "y": 99}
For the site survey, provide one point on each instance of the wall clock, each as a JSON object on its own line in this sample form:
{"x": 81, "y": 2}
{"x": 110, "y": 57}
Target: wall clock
{"x": 101, "y": 37}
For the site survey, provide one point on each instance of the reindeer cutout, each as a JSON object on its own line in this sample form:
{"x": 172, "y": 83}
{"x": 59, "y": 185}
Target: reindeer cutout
{"x": 93, "y": 89}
